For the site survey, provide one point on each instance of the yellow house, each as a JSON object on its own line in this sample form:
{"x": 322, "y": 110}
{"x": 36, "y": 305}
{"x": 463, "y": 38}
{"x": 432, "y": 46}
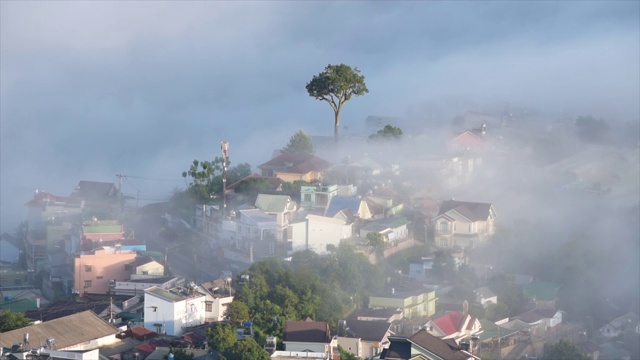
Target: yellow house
{"x": 290, "y": 167}
{"x": 413, "y": 303}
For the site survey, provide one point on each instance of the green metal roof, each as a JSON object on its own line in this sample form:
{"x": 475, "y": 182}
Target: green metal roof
{"x": 541, "y": 290}
{"x": 19, "y": 306}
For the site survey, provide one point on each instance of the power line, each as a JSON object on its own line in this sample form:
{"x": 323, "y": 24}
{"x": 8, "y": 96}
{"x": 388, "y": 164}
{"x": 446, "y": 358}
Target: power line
{"x": 154, "y": 179}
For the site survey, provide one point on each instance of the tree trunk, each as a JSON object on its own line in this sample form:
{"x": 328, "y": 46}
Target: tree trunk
{"x": 337, "y": 125}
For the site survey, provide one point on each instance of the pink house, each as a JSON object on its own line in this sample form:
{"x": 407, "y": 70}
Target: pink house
{"x": 93, "y": 270}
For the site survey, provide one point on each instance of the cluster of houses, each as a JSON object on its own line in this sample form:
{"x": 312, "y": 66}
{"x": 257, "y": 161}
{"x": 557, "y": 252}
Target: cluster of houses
{"x": 131, "y": 305}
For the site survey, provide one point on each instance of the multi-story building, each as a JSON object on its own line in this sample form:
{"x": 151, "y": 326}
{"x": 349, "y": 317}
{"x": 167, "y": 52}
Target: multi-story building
{"x": 171, "y": 311}
{"x": 412, "y": 302}
{"x": 95, "y": 269}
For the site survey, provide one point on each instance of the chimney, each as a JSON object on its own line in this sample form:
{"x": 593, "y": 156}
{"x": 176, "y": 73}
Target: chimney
{"x": 393, "y": 291}
{"x": 38, "y": 303}
{"x": 465, "y": 308}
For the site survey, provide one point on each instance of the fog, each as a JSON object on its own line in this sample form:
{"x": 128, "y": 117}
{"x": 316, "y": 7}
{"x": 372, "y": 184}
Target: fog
{"x": 88, "y": 90}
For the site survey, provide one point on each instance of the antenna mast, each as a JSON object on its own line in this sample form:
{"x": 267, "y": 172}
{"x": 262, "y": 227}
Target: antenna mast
{"x": 224, "y": 146}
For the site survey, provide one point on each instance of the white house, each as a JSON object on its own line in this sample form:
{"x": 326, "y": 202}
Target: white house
{"x": 171, "y": 311}
{"x": 485, "y": 296}
{"x": 218, "y": 296}
{"x": 281, "y": 207}
{"x": 316, "y": 232}
{"x": 393, "y": 229}
{"x": 462, "y": 223}
{"x": 309, "y": 336}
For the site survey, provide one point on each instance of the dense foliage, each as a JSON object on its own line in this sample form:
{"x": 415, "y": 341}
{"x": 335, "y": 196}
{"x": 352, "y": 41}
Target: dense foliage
{"x": 300, "y": 142}
{"x": 563, "y": 350}
{"x": 222, "y": 339}
{"x": 10, "y": 320}
{"x": 323, "y": 288}
{"x": 206, "y": 177}
{"x": 389, "y": 132}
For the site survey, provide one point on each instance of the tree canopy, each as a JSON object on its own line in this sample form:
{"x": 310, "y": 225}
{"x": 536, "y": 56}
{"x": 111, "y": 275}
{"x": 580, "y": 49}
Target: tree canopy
{"x": 336, "y": 85}
{"x": 206, "y": 177}
{"x": 10, "y": 320}
{"x": 563, "y": 350}
{"x": 300, "y": 142}
{"x": 389, "y": 132}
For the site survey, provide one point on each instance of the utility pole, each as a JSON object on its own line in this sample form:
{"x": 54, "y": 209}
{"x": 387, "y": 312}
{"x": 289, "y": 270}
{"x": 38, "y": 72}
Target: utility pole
{"x": 120, "y": 176}
{"x": 224, "y": 146}
{"x": 110, "y": 310}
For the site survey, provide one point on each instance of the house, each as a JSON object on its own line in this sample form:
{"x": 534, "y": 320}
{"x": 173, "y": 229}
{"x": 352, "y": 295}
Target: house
{"x": 94, "y": 270}
{"x": 96, "y": 233}
{"x": 309, "y": 336}
{"x": 81, "y": 331}
{"x": 171, "y": 311}
{"x": 389, "y": 315}
{"x": 389, "y": 205}
{"x": 317, "y": 232}
{"x": 290, "y": 167}
{"x": 62, "y": 308}
{"x": 469, "y": 141}
{"x": 256, "y": 233}
{"x": 363, "y": 339}
{"x": 454, "y": 325}
{"x": 412, "y": 300}
{"x": 281, "y": 207}
{"x": 295, "y": 355}
{"x": 134, "y": 287}
{"x": 18, "y": 306}
{"x": 145, "y": 267}
{"x": 485, "y": 296}
{"x": 541, "y": 320}
{"x": 317, "y": 198}
{"x": 543, "y": 293}
{"x": 50, "y": 218}
{"x": 619, "y": 325}
{"x": 98, "y": 195}
{"x": 423, "y": 345}
{"x": 218, "y": 295}
{"x": 463, "y": 223}
{"x": 394, "y": 229}
{"x": 347, "y": 207}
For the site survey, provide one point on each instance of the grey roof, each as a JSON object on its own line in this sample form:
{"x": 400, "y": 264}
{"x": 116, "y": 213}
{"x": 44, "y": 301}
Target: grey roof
{"x": 170, "y": 295}
{"x": 471, "y": 210}
{"x": 67, "y": 331}
{"x": 338, "y": 203}
{"x": 306, "y": 331}
{"x": 257, "y": 215}
{"x": 385, "y": 223}
{"x": 367, "y": 330}
{"x": 485, "y": 292}
{"x": 400, "y": 347}
{"x": 275, "y": 203}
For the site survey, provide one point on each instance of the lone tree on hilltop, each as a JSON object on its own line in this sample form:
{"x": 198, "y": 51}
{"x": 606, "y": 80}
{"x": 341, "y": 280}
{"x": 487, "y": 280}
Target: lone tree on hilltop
{"x": 336, "y": 85}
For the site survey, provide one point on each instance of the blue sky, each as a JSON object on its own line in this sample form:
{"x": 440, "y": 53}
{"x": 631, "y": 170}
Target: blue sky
{"x": 91, "y": 89}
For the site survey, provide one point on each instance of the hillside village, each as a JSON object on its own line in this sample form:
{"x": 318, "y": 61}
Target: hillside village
{"x": 427, "y": 220}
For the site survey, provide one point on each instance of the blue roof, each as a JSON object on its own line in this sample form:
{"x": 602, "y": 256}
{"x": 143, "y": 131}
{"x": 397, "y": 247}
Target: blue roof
{"x": 338, "y": 203}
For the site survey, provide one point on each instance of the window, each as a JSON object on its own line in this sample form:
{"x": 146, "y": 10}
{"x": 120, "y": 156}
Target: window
{"x": 99, "y": 277}
{"x": 307, "y": 197}
{"x": 87, "y": 284}
{"x": 145, "y": 273}
{"x": 444, "y": 226}
{"x": 87, "y": 268}
{"x": 208, "y": 306}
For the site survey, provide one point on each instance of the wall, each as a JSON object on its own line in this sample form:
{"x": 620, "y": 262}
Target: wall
{"x": 105, "y": 265}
